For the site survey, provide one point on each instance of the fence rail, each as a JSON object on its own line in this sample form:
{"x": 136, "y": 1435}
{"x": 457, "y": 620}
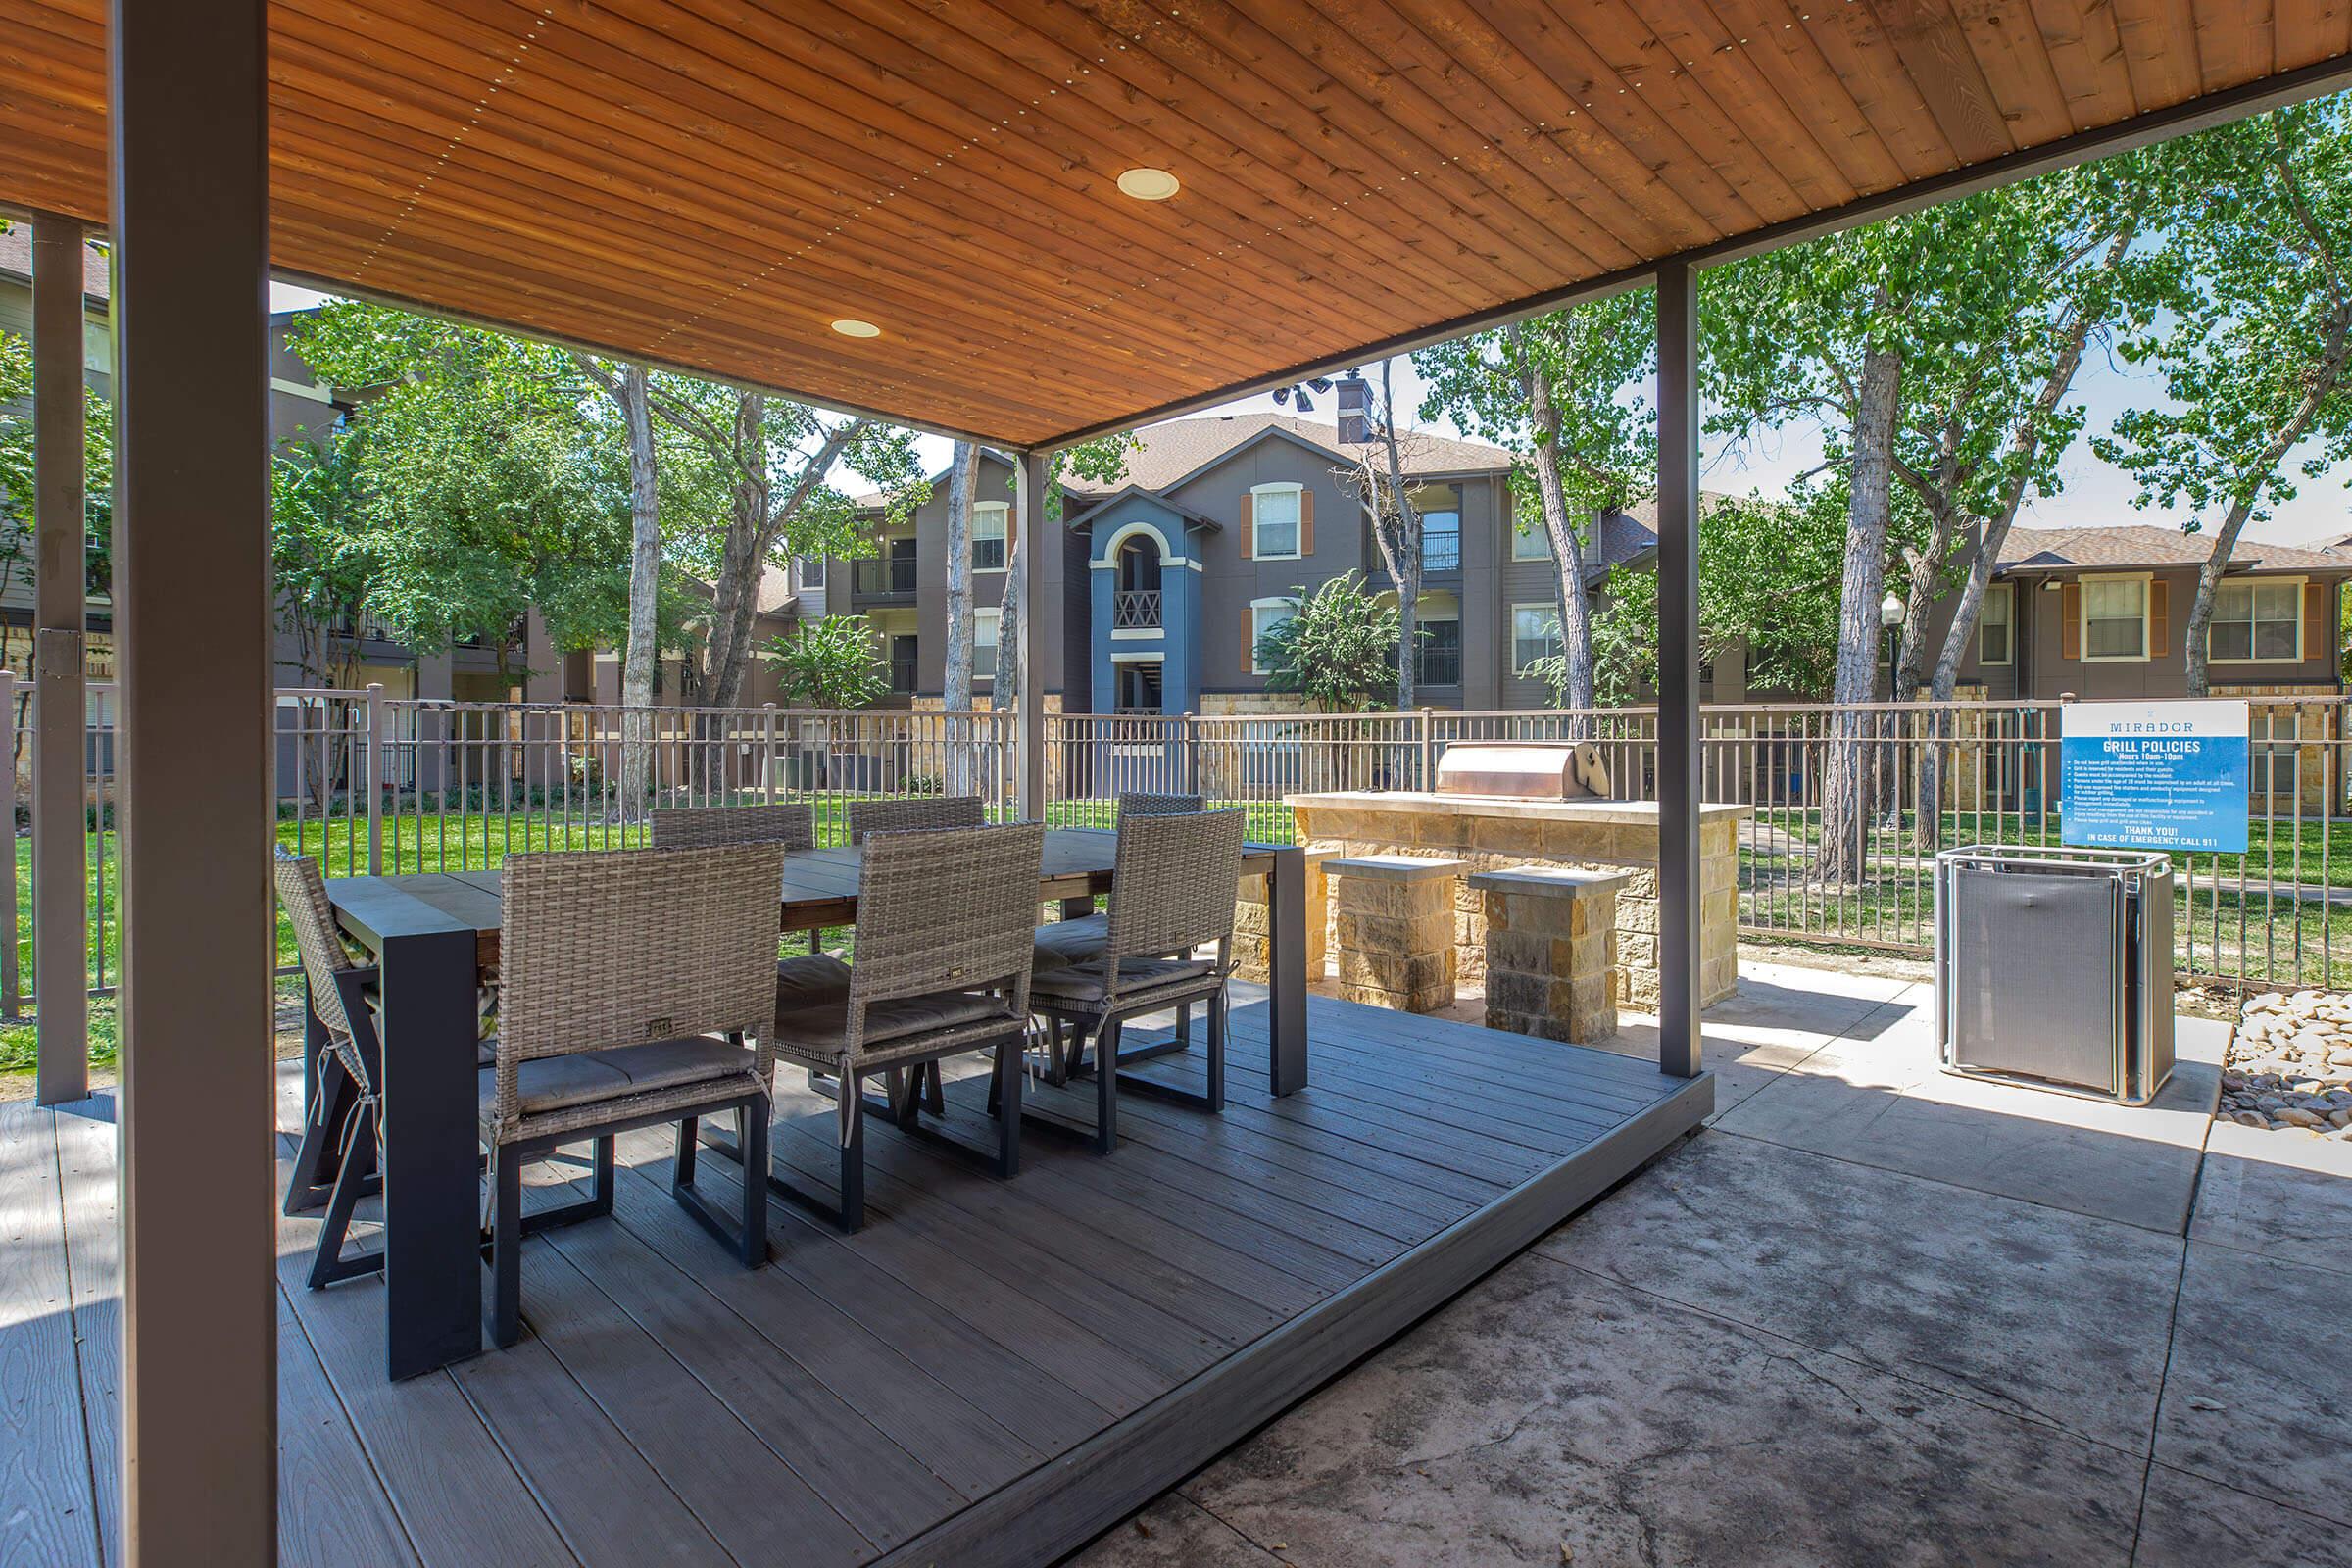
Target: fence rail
{"x": 369, "y": 783}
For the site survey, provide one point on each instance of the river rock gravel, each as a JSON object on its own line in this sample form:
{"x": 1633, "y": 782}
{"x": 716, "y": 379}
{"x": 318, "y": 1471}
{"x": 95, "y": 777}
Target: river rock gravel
{"x": 2289, "y": 1067}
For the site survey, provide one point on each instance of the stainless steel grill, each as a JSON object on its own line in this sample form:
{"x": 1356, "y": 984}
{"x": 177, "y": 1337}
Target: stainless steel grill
{"x": 1521, "y": 770}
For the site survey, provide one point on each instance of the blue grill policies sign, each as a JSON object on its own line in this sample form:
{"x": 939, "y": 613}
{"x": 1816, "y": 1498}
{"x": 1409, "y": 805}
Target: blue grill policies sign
{"x": 2154, "y": 775}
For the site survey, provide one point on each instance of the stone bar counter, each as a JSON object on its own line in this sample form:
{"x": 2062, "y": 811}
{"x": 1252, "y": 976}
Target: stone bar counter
{"x": 1491, "y": 833}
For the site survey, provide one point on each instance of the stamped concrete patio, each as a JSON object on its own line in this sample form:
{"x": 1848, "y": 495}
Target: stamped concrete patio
{"x": 1870, "y": 1315}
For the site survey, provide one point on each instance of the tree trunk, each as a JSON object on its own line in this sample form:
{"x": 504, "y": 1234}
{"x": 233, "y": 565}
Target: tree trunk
{"x": 1837, "y": 858}
{"x": 644, "y": 581}
{"x": 2326, "y": 377}
{"x": 1567, "y": 551}
{"x": 1007, "y": 689}
{"x": 1397, "y": 526}
{"x": 955, "y": 689}
{"x": 758, "y": 519}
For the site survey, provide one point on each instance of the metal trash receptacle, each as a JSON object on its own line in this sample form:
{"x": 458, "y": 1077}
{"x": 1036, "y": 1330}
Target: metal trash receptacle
{"x": 2054, "y": 968}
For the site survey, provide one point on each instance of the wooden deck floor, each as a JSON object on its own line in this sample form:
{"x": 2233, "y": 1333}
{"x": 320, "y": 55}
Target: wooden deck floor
{"x": 988, "y": 1373}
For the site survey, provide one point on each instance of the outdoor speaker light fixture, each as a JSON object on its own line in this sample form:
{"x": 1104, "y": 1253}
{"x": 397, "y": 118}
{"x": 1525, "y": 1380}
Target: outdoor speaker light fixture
{"x": 850, "y": 327}
{"x": 1149, "y": 184}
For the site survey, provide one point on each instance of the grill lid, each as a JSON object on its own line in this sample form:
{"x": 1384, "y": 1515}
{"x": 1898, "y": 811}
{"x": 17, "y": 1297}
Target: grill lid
{"x": 1555, "y": 770}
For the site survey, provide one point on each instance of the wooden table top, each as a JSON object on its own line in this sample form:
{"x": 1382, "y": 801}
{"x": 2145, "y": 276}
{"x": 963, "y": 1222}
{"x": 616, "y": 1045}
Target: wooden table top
{"x": 821, "y": 888}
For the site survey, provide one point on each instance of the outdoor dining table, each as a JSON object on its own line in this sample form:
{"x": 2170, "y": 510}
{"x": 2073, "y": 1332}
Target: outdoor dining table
{"x": 435, "y": 935}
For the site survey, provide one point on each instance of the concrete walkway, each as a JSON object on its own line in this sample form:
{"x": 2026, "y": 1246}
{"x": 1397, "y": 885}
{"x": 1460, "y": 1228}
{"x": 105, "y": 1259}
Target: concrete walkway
{"x": 1870, "y": 1316}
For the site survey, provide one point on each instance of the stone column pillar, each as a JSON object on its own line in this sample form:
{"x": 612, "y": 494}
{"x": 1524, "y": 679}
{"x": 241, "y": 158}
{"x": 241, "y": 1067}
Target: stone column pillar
{"x": 1551, "y": 951}
{"x": 1395, "y": 924}
{"x": 1250, "y": 928}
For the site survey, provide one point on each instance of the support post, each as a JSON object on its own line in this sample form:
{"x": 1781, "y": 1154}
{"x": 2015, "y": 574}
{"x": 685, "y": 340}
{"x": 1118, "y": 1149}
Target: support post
{"x": 378, "y": 748}
{"x": 60, "y": 861}
{"x": 12, "y": 981}
{"x": 1680, "y": 887}
{"x": 189, "y": 207}
{"x": 1029, "y": 715}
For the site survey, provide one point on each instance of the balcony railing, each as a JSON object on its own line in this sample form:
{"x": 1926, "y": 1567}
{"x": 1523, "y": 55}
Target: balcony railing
{"x": 1135, "y": 608}
{"x": 892, "y": 577}
{"x": 1440, "y": 552}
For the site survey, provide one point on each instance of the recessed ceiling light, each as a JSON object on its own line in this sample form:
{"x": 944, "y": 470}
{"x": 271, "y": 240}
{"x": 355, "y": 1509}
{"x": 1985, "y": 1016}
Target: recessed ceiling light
{"x": 850, "y": 327}
{"x": 1148, "y": 184}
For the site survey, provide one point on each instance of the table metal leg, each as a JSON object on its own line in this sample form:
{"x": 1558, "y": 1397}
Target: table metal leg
{"x": 1285, "y": 971}
{"x": 432, "y": 1197}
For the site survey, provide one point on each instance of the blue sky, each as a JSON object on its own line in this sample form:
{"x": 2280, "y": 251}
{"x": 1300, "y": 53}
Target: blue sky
{"x": 2094, "y": 495}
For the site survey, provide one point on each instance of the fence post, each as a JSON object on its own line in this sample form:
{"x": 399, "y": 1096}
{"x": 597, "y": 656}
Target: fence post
{"x": 1190, "y": 734}
{"x": 1429, "y": 749}
{"x": 767, "y": 753}
{"x": 12, "y": 981}
{"x": 376, "y": 778}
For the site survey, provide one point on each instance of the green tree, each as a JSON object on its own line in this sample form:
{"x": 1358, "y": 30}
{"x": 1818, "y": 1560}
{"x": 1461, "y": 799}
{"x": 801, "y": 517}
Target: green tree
{"x": 486, "y": 487}
{"x": 319, "y": 546}
{"x": 2254, "y": 353}
{"x": 833, "y": 662}
{"x": 1556, "y": 390}
{"x": 16, "y": 472}
{"x": 772, "y": 471}
{"x": 1767, "y": 581}
{"x": 1337, "y": 649}
{"x": 1933, "y": 351}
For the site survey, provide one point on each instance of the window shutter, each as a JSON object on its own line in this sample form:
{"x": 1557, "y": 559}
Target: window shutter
{"x": 1013, "y": 523}
{"x": 2070, "y": 621}
{"x": 2316, "y": 641}
{"x": 1249, "y": 527}
{"x": 2160, "y": 618}
{"x": 1306, "y": 522}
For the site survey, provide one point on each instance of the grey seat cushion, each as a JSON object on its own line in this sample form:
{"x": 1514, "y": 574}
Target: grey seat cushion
{"x": 807, "y": 980}
{"x": 1068, "y": 942}
{"x": 560, "y": 1083}
{"x": 823, "y": 1029}
{"x": 1083, "y": 982}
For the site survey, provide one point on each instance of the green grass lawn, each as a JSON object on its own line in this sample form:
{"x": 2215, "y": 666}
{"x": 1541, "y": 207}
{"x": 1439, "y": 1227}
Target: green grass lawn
{"x": 430, "y": 841}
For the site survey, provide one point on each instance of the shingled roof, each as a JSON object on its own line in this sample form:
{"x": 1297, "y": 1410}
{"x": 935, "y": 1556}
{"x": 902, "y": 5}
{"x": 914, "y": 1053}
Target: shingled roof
{"x": 1173, "y": 451}
{"x": 15, "y": 261}
{"x": 2137, "y": 546}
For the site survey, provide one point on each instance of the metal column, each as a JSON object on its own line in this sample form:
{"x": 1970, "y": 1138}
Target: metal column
{"x": 1679, "y": 885}
{"x": 60, "y": 867}
{"x": 189, "y": 209}
{"x": 1029, "y": 746}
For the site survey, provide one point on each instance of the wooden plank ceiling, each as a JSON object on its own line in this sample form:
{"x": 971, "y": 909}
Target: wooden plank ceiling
{"x": 709, "y": 183}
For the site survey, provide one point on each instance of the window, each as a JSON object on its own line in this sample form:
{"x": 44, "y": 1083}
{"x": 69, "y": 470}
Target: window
{"x": 1995, "y": 640}
{"x": 2257, "y": 623}
{"x": 1440, "y": 510}
{"x": 1274, "y": 521}
{"x": 1534, "y": 634}
{"x": 1265, "y": 615}
{"x": 1438, "y": 659}
{"x": 812, "y": 570}
{"x": 2115, "y": 617}
{"x": 1529, "y": 542}
{"x": 2276, "y": 745}
{"x": 984, "y": 643}
{"x": 987, "y": 534}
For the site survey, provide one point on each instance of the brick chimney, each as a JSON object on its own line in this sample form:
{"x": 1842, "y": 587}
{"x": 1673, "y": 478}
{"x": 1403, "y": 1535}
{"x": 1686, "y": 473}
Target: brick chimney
{"x": 1356, "y": 404}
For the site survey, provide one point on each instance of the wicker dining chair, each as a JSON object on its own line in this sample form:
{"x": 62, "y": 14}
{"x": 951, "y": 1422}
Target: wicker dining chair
{"x": 343, "y": 1121}
{"x": 1172, "y": 894}
{"x": 913, "y": 813}
{"x": 1079, "y": 938}
{"x": 790, "y": 825}
{"x": 942, "y": 970}
{"x": 1143, "y": 802}
{"x": 631, "y": 981}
